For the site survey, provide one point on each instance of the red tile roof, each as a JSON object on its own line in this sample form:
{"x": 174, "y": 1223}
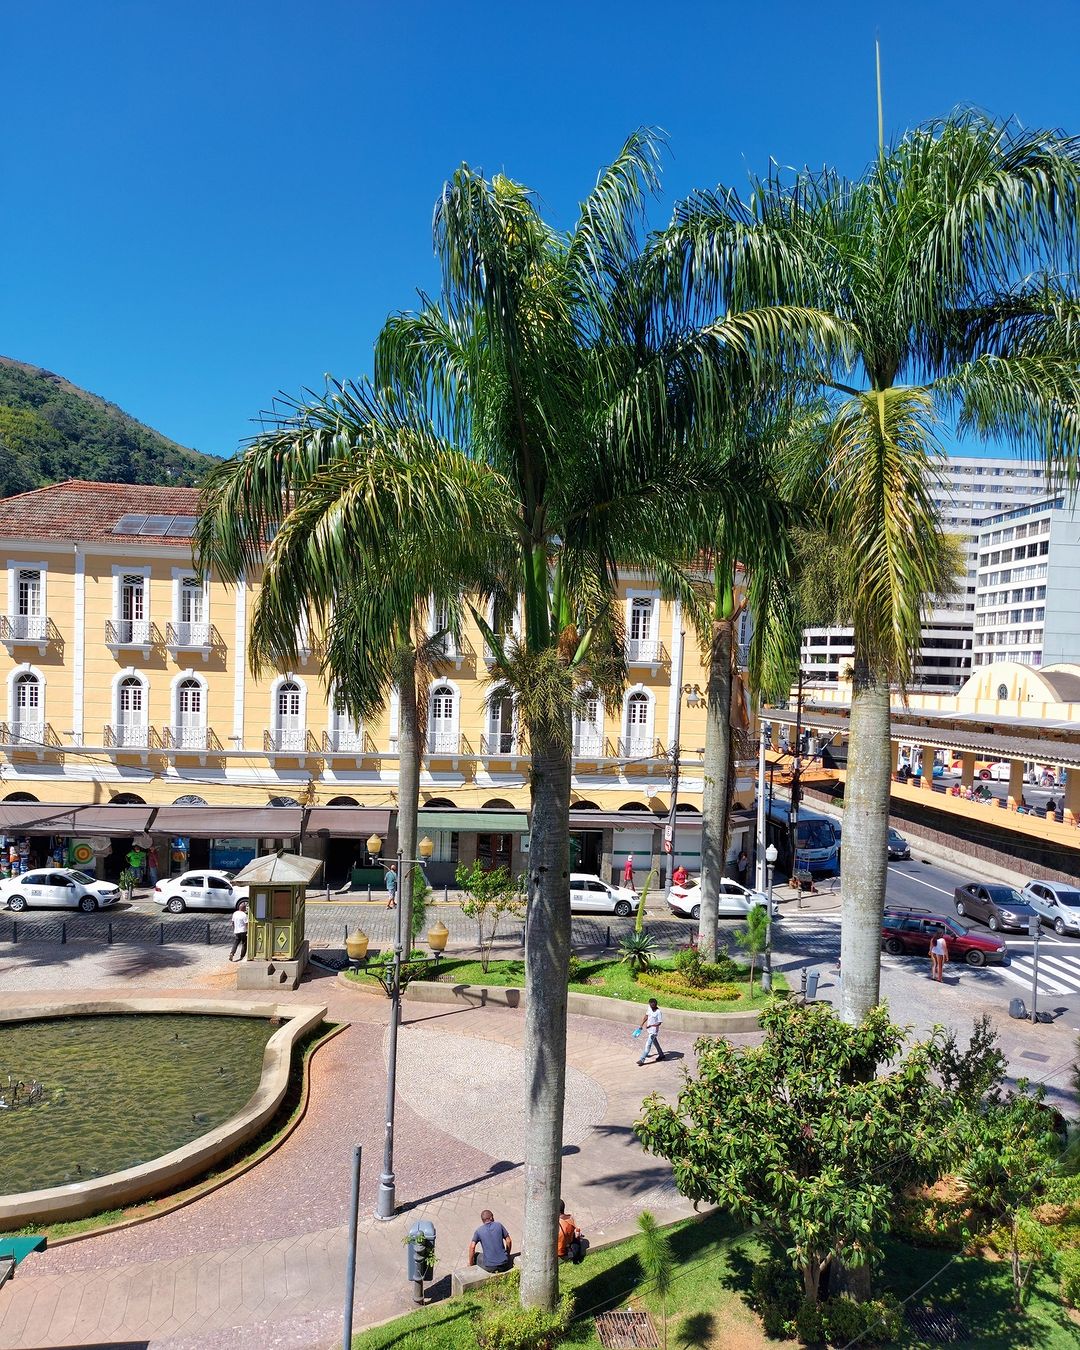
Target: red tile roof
{"x": 81, "y": 510}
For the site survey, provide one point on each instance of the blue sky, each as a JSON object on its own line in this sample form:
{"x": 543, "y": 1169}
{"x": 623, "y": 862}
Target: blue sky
{"x": 205, "y": 203}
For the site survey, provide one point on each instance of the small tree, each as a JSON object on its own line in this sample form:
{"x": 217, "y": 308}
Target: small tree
{"x": 1011, "y": 1154}
{"x": 639, "y": 918}
{"x": 657, "y": 1261}
{"x": 488, "y": 896}
{"x": 752, "y": 937}
{"x": 835, "y": 1139}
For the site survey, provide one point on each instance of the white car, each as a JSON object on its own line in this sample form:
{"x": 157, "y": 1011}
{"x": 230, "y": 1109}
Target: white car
{"x": 588, "y": 892}
{"x": 203, "y": 889}
{"x": 1055, "y": 902}
{"x": 62, "y": 887}
{"x": 734, "y": 899}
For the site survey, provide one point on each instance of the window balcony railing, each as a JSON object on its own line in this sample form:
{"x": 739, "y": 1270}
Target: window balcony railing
{"x": 192, "y": 637}
{"x": 639, "y": 747}
{"x": 290, "y": 741}
{"x": 588, "y": 744}
{"x": 346, "y": 741}
{"x": 187, "y": 737}
{"x": 132, "y": 736}
{"x": 120, "y": 633}
{"x": 444, "y": 743}
{"x": 500, "y": 744}
{"x": 27, "y": 630}
{"x": 645, "y": 652}
{"x": 28, "y": 735}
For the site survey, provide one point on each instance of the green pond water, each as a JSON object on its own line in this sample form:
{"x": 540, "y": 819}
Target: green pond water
{"x": 118, "y": 1090}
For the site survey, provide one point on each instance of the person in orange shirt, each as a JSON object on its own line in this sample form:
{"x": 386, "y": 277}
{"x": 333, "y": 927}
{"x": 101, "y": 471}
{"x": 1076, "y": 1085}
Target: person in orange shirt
{"x": 569, "y": 1248}
{"x": 679, "y": 876}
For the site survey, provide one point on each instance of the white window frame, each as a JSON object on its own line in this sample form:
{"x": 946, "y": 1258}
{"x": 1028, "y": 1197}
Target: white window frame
{"x": 589, "y": 751}
{"x": 15, "y": 566}
{"x": 637, "y": 694}
{"x": 455, "y": 719}
{"x": 275, "y": 690}
{"x": 176, "y": 691}
{"x": 180, "y": 577}
{"x": 643, "y": 650}
{"x": 119, "y": 572}
{"x": 15, "y": 678}
{"x": 341, "y": 724}
{"x": 118, "y": 684}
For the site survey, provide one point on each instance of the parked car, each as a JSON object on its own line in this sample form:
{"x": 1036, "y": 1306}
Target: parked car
{"x": 199, "y": 890}
{"x": 910, "y": 931}
{"x": 1055, "y": 902}
{"x": 588, "y": 892}
{"x": 735, "y": 900}
{"x": 62, "y": 887}
{"x": 997, "y": 906}
{"x": 898, "y": 845}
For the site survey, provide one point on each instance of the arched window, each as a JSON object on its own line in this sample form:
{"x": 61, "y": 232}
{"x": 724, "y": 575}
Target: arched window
{"x": 190, "y": 799}
{"x": 587, "y": 727}
{"x": 20, "y": 797}
{"x": 27, "y": 710}
{"x": 345, "y": 733}
{"x": 288, "y": 727}
{"x": 1003, "y": 691}
{"x": 442, "y": 721}
{"x": 500, "y": 737}
{"x": 131, "y": 728}
{"x": 639, "y": 733}
{"x": 190, "y": 728}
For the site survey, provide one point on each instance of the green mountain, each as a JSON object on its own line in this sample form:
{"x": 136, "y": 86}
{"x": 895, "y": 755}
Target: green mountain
{"x": 50, "y": 429}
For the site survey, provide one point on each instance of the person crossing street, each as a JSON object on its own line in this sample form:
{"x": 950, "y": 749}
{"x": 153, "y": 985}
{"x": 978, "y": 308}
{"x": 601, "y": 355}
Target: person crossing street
{"x": 651, "y": 1023}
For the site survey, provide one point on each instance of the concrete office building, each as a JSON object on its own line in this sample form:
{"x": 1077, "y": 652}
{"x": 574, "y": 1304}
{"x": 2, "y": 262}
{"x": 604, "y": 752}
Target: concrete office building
{"x": 968, "y": 490}
{"x": 1027, "y": 600}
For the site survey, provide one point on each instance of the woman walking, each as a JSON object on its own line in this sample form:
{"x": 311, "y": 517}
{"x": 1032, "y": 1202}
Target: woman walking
{"x": 939, "y": 953}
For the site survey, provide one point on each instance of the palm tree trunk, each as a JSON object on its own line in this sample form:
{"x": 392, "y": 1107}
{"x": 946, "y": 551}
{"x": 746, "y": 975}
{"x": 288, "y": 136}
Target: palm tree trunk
{"x": 715, "y": 796}
{"x": 866, "y": 839}
{"x": 410, "y": 747}
{"x": 547, "y": 955}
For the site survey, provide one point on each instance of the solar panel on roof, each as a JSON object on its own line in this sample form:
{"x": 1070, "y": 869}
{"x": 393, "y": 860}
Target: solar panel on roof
{"x": 182, "y": 527}
{"x": 129, "y": 525}
{"x": 156, "y": 524}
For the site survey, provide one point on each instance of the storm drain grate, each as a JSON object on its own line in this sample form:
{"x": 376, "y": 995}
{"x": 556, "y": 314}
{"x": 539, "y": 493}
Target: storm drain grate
{"x": 936, "y": 1326}
{"x": 1032, "y": 1054}
{"x": 627, "y": 1329}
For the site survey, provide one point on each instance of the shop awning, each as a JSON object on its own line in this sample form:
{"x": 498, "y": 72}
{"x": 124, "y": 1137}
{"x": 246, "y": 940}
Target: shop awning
{"x": 229, "y": 822}
{"x": 482, "y": 822}
{"x": 77, "y": 821}
{"x": 620, "y": 820}
{"x": 348, "y": 822}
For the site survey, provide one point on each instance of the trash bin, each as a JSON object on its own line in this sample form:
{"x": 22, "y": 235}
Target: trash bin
{"x": 421, "y": 1256}
{"x": 811, "y": 984}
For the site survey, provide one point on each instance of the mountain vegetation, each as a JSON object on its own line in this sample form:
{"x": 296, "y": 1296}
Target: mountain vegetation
{"x": 50, "y": 429}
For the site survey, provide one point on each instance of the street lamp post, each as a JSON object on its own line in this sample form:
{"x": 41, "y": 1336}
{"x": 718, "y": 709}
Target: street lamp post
{"x": 766, "y": 966}
{"x": 386, "y": 1203}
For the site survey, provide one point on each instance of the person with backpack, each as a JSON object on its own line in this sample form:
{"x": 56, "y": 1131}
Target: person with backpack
{"x": 570, "y": 1245}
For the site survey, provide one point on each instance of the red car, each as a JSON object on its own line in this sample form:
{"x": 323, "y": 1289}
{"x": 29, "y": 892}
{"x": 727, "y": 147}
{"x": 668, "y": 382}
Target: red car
{"x": 910, "y": 932}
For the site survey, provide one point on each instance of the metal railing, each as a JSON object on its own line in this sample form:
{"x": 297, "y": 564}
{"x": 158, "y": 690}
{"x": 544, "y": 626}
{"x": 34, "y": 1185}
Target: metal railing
{"x": 131, "y": 633}
{"x": 645, "y": 651}
{"x": 346, "y": 741}
{"x": 192, "y": 636}
{"x": 29, "y": 735}
{"x": 444, "y": 743}
{"x": 501, "y": 743}
{"x": 125, "y": 736}
{"x": 27, "y": 628}
{"x": 190, "y": 738}
{"x": 290, "y": 741}
{"x": 588, "y": 745}
{"x": 639, "y": 747}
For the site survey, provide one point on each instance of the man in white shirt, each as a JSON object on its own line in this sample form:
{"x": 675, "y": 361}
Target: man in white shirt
{"x": 239, "y": 927}
{"x": 651, "y": 1022}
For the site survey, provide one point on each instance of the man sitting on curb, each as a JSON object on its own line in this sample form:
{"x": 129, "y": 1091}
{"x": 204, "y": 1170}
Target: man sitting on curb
{"x": 494, "y": 1243}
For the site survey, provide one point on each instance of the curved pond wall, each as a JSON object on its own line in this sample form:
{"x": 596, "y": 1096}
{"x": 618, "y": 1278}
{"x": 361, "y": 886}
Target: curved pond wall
{"x": 171, "y": 1169}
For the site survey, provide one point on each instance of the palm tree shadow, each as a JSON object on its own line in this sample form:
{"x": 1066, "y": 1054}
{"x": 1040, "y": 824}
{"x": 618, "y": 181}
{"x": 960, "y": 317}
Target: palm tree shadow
{"x": 696, "y": 1331}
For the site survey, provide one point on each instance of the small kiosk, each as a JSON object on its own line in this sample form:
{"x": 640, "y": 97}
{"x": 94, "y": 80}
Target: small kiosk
{"x": 277, "y": 950}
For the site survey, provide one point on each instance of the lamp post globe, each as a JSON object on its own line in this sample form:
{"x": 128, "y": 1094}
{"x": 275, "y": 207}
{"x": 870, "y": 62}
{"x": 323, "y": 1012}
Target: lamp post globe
{"x": 771, "y": 856}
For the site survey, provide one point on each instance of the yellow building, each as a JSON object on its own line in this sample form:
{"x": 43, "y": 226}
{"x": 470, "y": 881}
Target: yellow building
{"x": 127, "y": 684}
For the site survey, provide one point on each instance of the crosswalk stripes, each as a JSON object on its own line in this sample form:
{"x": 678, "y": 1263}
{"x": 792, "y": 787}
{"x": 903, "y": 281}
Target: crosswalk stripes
{"x": 1056, "y": 975}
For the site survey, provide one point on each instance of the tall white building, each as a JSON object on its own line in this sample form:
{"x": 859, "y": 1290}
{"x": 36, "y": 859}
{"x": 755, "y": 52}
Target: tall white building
{"x": 969, "y": 490}
{"x": 1027, "y": 597}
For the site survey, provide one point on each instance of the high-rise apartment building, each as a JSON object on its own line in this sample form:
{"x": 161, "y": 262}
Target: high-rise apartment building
{"x": 1027, "y": 602}
{"x": 969, "y": 489}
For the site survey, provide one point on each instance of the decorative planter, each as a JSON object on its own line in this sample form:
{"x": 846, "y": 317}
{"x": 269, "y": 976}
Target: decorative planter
{"x": 356, "y": 944}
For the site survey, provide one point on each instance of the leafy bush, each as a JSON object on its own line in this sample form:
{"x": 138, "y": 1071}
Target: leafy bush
{"x": 573, "y": 970}
{"x": 810, "y": 1322}
{"x": 510, "y": 1327}
{"x": 1068, "y": 1271}
{"x": 775, "y": 1295}
{"x": 691, "y": 967}
{"x": 671, "y": 982}
{"x": 876, "y": 1321}
{"x": 636, "y": 951}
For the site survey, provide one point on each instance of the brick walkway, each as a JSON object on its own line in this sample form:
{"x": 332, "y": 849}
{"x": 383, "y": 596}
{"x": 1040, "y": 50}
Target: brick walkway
{"x": 261, "y": 1262}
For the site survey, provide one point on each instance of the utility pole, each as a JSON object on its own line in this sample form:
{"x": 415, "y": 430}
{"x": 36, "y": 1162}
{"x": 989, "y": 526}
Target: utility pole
{"x": 669, "y": 828}
{"x": 759, "y": 846}
{"x": 796, "y": 788}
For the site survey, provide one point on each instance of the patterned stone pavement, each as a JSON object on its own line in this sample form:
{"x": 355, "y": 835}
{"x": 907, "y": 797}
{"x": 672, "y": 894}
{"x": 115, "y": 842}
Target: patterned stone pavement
{"x": 260, "y": 1263}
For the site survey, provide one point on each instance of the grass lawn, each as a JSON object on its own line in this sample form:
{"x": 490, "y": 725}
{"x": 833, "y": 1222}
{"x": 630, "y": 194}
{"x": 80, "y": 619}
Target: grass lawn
{"x": 707, "y": 1310}
{"x": 608, "y": 978}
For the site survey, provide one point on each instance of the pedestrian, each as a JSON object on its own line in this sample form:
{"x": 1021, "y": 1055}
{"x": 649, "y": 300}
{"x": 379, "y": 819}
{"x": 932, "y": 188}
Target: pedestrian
{"x": 391, "y": 886}
{"x": 628, "y": 871}
{"x": 742, "y": 865}
{"x": 152, "y": 865}
{"x": 939, "y": 954}
{"x": 680, "y": 876}
{"x": 1051, "y": 806}
{"x": 570, "y": 1246}
{"x": 493, "y": 1242}
{"x": 651, "y": 1023}
{"x": 239, "y": 927}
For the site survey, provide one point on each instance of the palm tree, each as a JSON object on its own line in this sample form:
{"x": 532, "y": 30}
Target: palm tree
{"x": 538, "y": 426}
{"x": 941, "y": 267}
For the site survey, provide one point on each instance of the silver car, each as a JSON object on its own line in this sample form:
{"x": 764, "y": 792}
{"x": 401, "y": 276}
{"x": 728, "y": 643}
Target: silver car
{"x": 1055, "y": 902}
{"x": 59, "y": 888}
{"x": 202, "y": 889}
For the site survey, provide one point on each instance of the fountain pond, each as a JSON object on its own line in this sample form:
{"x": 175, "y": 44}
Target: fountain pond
{"x": 81, "y": 1097}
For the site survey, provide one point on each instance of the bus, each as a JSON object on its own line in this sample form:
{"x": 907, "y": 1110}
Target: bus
{"x": 817, "y": 849}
